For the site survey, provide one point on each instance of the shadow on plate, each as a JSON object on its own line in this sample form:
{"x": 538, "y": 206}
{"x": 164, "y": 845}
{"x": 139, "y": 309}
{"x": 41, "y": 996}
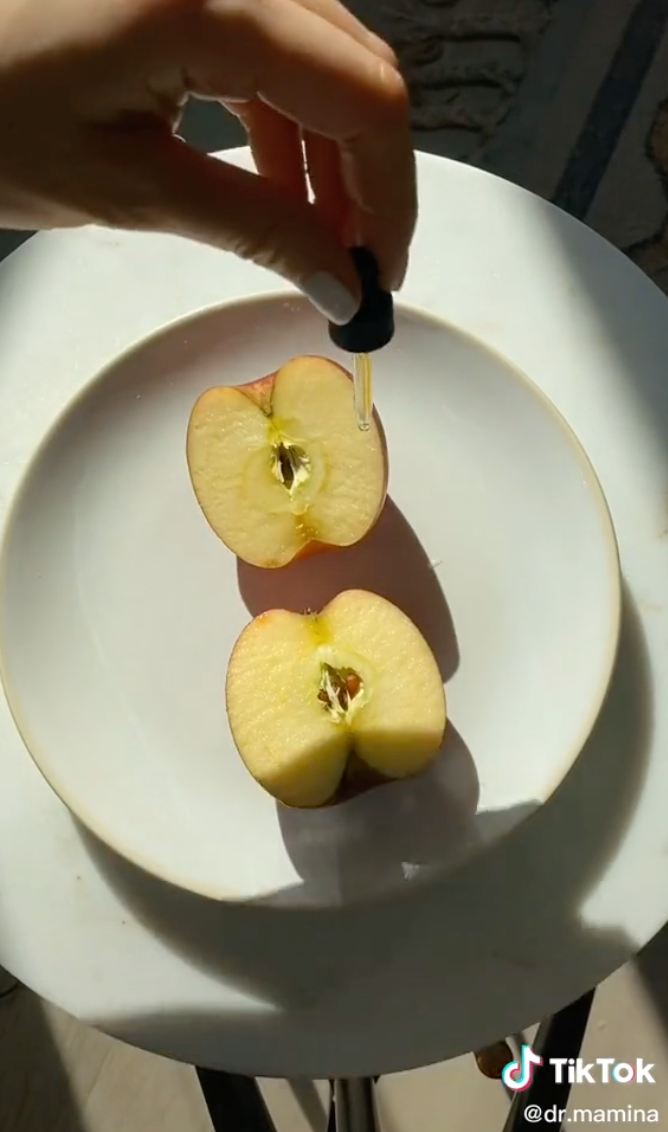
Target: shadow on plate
{"x": 390, "y": 561}
{"x": 514, "y": 914}
{"x": 387, "y": 836}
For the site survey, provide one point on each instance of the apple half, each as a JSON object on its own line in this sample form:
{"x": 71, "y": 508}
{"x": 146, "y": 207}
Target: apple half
{"x": 325, "y": 705}
{"x": 279, "y": 466}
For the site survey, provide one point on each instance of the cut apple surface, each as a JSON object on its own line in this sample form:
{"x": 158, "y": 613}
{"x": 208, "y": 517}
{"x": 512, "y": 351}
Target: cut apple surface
{"x": 349, "y": 697}
{"x": 279, "y": 466}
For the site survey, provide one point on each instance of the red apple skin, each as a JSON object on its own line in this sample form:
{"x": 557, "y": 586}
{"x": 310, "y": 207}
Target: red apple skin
{"x": 260, "y": 391}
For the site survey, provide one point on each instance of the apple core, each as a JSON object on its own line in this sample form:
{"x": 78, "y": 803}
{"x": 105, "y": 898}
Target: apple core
{"x": 341, "y": 692}
{"x": 291, "y": 465}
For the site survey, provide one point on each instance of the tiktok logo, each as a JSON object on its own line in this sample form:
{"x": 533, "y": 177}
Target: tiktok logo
{"x": 516, "y": 1075}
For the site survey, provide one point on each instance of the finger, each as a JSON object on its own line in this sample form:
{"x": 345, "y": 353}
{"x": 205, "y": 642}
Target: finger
{"x": 323, "y": 164}
{"x": 276, "y": 144}
{"x": 159, "y": 183}
{"x": 330, "y": 84}
{"x": 341, "y": 18}
{"x": 387, "y": 205}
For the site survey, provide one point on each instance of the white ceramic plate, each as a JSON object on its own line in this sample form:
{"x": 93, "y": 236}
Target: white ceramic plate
{"x": 119, "y": 609}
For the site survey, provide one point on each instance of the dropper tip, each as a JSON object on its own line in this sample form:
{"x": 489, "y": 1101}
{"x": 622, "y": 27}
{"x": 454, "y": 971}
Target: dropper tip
{"x": 362, "y": 391}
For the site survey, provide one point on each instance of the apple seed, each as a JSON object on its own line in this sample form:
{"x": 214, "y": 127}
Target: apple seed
{"x": 292, "y": 466}
{"x": 353, "y": 684}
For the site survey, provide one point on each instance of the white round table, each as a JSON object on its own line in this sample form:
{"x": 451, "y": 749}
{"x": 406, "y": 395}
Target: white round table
{"x": 517, "y": 933}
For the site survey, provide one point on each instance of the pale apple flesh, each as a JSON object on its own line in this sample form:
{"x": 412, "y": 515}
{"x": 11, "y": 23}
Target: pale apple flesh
{"x": 311, "y": 697}
{"x": 279, "y": 466}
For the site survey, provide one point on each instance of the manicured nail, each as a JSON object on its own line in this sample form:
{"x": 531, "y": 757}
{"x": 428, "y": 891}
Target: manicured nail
{"x": 398, "y": 277}
{"x": 330, "y": 297}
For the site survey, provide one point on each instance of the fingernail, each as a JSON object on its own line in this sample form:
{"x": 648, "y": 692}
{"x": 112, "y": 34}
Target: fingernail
{"x": 397, "y": 279}
{"x": 330, "y": 297}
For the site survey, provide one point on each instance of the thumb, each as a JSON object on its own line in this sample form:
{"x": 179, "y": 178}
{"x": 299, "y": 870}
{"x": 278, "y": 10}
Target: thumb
{"x": 202, "y": 198}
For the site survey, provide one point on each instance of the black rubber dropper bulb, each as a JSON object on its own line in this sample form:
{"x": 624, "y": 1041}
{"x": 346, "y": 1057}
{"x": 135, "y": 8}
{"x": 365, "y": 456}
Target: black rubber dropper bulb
{"x": 373, "y": 325}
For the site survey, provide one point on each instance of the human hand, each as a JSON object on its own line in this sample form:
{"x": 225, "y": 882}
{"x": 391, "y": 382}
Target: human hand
{"x": 91, "y": 94}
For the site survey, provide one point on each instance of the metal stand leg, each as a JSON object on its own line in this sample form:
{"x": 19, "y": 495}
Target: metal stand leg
{"x": 559, "y": 1036}
{"x": 353, "y": 1106}
{"x": 235, "y": 1103}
